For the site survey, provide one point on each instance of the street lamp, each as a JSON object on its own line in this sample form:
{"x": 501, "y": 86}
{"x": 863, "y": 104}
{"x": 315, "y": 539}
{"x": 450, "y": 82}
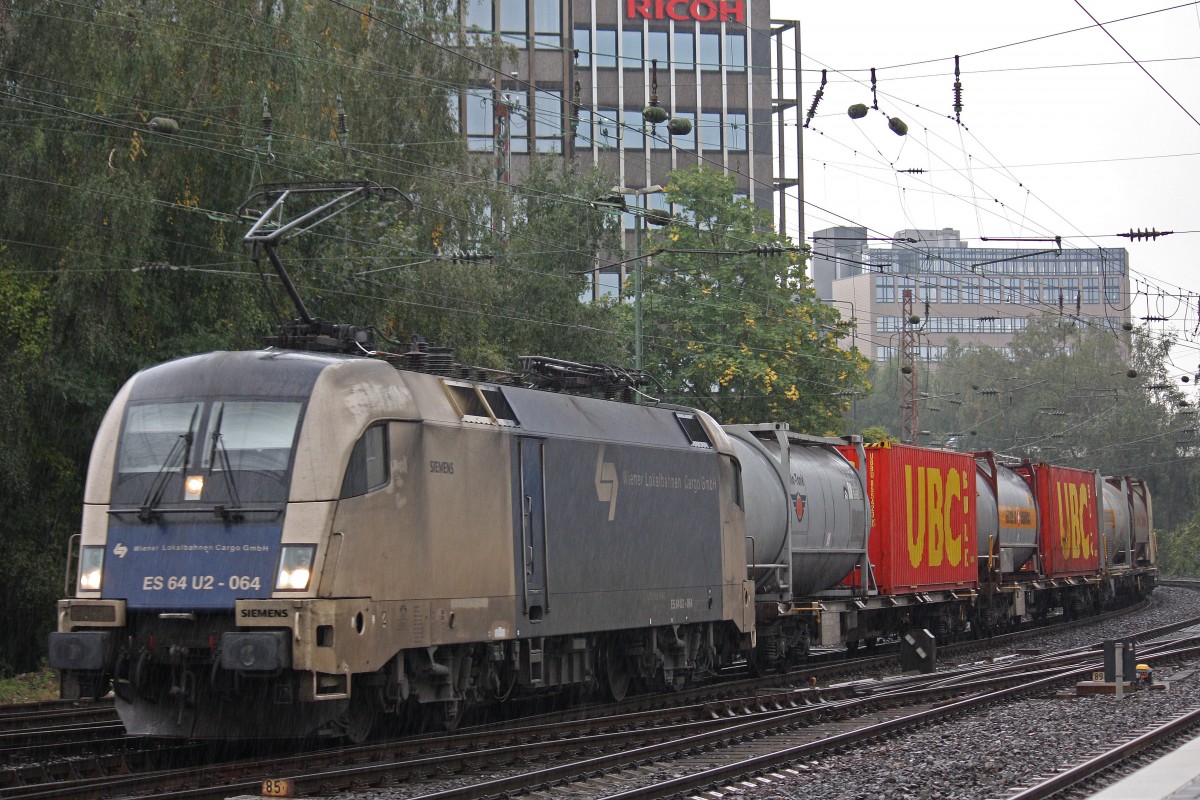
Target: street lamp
{"x": 637, "y": 265}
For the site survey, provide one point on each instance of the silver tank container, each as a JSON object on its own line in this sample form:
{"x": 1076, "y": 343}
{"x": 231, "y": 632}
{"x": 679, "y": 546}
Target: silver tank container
{"x": 1008, "y": 519}
{"x": 806, "y": 509}
{"x": 1116, "y": 525}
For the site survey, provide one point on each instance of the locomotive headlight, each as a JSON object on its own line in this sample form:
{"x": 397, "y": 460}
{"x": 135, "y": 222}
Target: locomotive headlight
{"x": 91, "y": 568}
{"x": 193, "y": 487}
{"x": 295, "y": 567}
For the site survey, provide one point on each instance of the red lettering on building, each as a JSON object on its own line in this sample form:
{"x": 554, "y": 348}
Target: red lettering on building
{"x": 732, "y": 10}
{"x": 685, "y": 10}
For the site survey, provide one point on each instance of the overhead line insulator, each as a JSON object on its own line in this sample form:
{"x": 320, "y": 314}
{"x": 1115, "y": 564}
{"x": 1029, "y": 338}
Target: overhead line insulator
{"x": 812, "y": 109}
{"x": 1139, "y": 234}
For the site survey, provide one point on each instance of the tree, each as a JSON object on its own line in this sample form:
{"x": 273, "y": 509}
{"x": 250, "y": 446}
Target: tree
{"x": 733, "y": 324}
{"x": 123, "y": 251}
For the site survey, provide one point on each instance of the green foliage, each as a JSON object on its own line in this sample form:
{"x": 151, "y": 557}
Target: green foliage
{"x": 30, "y": 687}
{"x": 1179, "y": 550}
{"x": 738, "y": 334}
{"x": 123, "y": 252}
{"x": 875, "y": 435}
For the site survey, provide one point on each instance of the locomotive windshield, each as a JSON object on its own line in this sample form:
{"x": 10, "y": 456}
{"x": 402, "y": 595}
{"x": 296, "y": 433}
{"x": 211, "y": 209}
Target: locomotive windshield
{"x": 250, "y": 441}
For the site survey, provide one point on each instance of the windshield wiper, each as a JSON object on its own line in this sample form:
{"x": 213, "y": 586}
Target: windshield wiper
{"x": 233, "y": 510}
{"x": 182, "y": 447}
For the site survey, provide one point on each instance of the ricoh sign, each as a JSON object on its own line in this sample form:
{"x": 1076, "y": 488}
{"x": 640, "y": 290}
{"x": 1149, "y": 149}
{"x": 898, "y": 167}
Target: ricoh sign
{"x": 687, "y": 10}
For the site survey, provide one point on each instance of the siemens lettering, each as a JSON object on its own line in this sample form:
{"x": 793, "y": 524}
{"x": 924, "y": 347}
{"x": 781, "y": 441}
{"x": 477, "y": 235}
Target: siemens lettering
{"x": 686, "y": 10}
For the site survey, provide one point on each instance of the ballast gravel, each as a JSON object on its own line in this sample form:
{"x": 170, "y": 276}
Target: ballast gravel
{"x": 985, "y": 754}
{"x": 991, "y": 752}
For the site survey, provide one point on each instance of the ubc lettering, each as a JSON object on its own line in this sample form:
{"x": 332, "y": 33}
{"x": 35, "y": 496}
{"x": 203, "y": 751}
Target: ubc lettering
{"x": 931, "y": 497}
{"x": 1074, "y": 502}
{"x": 687, "y": 10}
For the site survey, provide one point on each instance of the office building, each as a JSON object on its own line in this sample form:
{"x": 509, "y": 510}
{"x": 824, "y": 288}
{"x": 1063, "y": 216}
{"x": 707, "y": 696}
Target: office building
{"x": 976, "y": 295}
{"x": 586, "y": 70}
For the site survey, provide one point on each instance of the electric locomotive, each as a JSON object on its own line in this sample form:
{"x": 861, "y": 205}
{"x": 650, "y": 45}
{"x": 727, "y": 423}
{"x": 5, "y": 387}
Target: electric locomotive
{"x": 277, "y": 543}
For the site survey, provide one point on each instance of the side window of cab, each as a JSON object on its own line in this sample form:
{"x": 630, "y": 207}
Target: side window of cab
{"x": 368, "y": 467}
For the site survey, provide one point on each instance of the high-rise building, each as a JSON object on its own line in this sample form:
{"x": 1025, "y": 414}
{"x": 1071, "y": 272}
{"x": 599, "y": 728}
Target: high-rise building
{"x": 587, "y": 69}
{"x": 976, "y": 295}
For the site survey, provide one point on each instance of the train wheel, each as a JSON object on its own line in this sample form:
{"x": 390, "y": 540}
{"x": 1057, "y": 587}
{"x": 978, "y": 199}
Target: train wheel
{"x": 444, "y": 716}
{"x": 616, "y": 674}
{"x": 358, "y": 720}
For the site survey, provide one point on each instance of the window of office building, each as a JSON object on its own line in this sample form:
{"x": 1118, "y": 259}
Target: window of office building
{"x": 477, "y": 14}
{"x": 709, "y": 130}
{"x": 685, "y": 50}
{"x": 927, "y": 291}
{"x": 949, "y": 290}
{"x": 631, "y": 128}
{"x": 605, "y": 48}
{"x": 548, "y": 122}
{"x": 885, "y": 291}
{"x": 547, "y": 24}
{"x": 735, "y": 51}
{"x": 990, "y": 290}
{"x": 710, "y": 51}
{"x": 1012, "y": 290}
{"x": 631, "y": 48}
{"x": 1070, "y": 290}
{"x": 970, "y": 290}
{"x": 1091, "y": 290}
{"x": 478, "y": 112}
{"x": 513, "y": 22}
{"x": 581, "y": 40}
{"x": 1033, "y": 291}
{"x": 1113, "y": 292}
{"x": 657, "y": 50}
{"x": 608, "y": 128}
{"x": 736, "y": 134}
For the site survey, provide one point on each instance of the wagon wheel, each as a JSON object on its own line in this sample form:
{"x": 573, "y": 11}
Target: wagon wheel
{"x": 616, "y": 673}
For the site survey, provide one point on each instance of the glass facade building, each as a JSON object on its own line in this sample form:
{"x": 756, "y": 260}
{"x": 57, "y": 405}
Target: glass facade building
{"x": 979, "y": 295}
{"x": 584, "y": 73}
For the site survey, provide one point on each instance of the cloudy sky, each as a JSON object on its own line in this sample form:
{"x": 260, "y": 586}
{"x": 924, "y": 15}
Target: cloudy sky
{"x": 1062, "y": 132}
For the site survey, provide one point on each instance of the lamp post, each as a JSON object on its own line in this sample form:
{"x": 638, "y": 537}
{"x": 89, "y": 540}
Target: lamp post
{"x": 637, "y": 264}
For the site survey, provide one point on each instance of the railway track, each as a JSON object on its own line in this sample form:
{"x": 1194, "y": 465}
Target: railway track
{"x": 1081, "y": 777}
{"x": 736, "y": 736}
{"x": 712, "y": 719}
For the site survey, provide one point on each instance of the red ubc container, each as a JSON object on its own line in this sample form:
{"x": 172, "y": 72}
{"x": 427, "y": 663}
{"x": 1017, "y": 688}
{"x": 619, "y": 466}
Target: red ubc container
{"x": 922, "y": 519}
{"x": 1068, "y": 510}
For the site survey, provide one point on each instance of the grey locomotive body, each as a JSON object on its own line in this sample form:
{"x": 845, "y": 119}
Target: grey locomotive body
{"x": 276, "y": 543}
